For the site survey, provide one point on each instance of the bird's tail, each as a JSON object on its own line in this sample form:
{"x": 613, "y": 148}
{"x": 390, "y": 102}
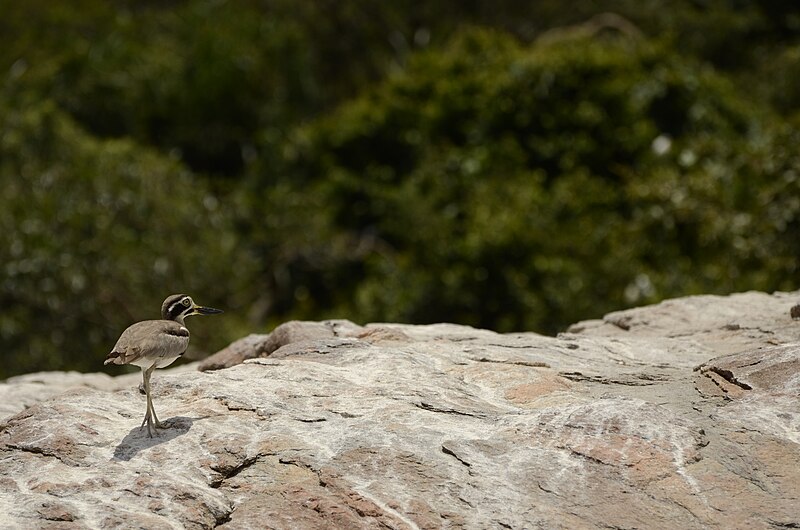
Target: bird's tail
{"x": 114, "y": 357}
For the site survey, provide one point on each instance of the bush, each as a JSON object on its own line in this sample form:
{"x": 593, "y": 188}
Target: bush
{"x": 149, "y": 147}
{"x": 517, "y": 187}
{"x": 95, "y": 235}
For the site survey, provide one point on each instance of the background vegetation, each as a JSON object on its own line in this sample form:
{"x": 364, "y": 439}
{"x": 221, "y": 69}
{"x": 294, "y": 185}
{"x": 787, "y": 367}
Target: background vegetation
{"x": 511, "y": 165}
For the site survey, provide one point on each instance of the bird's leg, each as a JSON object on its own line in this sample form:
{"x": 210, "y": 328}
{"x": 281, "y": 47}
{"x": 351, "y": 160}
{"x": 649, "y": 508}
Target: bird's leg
{"x": 156, "y": 423}
{"x": 150, "y": 409}
{"x": 146, "y": 382}
{"x": 150, "y": 416}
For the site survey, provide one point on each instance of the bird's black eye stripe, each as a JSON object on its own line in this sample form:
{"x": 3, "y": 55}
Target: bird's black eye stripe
{"x": 176, "y": 309}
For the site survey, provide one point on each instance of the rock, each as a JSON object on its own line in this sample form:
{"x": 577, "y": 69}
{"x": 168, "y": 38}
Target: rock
{"x": 237, "y": 352}
{"x": 254, "y": 346}
{"x": 20, "y": 392}
{"x": 726, "y": 324}
{"x": 17, "y": 393}
{"x": 294, "y": 334}
{"x": 668, "y": 416}
{"x": 757, "y": 374}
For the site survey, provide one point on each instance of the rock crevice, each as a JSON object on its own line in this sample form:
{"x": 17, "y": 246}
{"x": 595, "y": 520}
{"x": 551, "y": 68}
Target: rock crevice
{"x": 682, "y": 414}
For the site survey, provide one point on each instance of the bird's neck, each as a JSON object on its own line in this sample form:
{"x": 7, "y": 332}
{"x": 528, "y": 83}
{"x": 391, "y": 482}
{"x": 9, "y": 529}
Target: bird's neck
{"x": 179, "y": 320}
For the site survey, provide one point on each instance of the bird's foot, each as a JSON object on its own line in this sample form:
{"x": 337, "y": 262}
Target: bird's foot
{"x": 157, "y": 423}
{"x": 149, "y": 430}
{"x": 152, "y": 424}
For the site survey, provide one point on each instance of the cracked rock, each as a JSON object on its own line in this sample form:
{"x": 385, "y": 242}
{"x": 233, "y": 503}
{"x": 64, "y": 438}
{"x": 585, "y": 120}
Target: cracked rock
{"x": 678, "y": 415}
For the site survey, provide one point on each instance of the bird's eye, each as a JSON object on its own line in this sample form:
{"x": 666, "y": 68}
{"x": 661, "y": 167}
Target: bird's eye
{"x": 186, "y": 302}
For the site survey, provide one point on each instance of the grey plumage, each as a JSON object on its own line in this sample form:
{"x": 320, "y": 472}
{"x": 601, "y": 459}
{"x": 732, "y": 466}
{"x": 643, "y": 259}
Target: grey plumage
{"x": 152, "y": 344}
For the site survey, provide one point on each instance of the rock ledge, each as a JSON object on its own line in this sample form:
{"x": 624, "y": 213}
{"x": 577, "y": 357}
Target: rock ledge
{"x": 683, "y": 414}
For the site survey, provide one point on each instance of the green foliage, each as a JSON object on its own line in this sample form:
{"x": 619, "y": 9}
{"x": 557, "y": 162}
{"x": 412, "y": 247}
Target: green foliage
{"x": 504, "y": 164}
{"x": 160, "y": 77}
{"x": 94, "y": 235}
{"x": 519, "y": 187}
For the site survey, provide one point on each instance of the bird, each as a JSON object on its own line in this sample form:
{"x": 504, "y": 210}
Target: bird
{"x": 152, "y": 344}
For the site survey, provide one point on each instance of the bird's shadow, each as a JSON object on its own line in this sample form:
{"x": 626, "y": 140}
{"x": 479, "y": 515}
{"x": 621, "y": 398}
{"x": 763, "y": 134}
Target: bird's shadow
{"x": 137, "y": 440}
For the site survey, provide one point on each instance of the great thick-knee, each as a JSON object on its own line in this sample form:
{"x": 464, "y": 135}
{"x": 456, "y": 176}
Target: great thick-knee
{"x": 152, "y": 344}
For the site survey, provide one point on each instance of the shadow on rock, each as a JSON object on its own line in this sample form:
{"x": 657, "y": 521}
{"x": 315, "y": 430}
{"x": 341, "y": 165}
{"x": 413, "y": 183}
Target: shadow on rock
{"x": 137, "y": 439}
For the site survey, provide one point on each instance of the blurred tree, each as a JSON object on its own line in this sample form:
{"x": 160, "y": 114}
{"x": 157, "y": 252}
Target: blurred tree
{"x": 525, "y": 187}
{"x": 219, "y": 85}
{"x": 93, "y": 235}
{"x": 383, "y": 161}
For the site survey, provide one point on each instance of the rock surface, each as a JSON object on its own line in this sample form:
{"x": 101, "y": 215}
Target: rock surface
{"x": 685, "y": 414}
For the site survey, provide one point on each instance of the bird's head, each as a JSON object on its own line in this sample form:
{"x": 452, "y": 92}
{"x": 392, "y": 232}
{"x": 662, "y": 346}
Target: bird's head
{"x": 179, "y": 306}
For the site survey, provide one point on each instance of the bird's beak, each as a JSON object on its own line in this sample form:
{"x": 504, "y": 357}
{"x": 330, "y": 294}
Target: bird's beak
{"x": 200, "y": 310}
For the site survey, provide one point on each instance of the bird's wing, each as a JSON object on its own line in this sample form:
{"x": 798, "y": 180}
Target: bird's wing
{"x": 149, "y": 339}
